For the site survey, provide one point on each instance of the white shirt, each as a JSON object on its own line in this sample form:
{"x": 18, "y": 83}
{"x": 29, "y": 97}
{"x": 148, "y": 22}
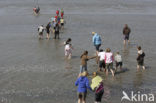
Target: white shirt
{"x": 108, "y": 57}
{"x": 101, "y": 55}
{"x": 67, "y": 47}
{"x": 40, "y": 28}
{"x": 118, "y": 58}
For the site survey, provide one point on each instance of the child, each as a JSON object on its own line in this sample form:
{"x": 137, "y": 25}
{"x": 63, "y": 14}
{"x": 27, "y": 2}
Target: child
{"x": 140, "y": 58}
{"x": 118, "y": 61}
{"x": 68, "y": 48}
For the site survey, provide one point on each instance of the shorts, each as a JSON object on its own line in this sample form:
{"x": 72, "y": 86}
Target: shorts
{"x": 62, "y": 24}
{"x": 83, "y": 68}
{"x": 68, "y": 52}
{"x": 141, "y": 63}
{"x": 102, "y": 64}
{"x": 126, "y": 37}
{"x": 82, "y": 95}
{"x": 48, "y": 31}
{"x": 98, "y": 96}
{"x": 97, "y": 47}
{"x": 41, "y": 33}
{"x": 118, "y": 64}
{"x": 109, "y": 66}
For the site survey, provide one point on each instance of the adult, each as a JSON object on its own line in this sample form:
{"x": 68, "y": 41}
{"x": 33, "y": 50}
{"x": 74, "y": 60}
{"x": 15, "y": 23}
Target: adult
{"x": 48, "y": 30}
{"x": 97, "y": 86}
{"x": 40, "y": 30}
{"x": 57, "y": 31}
{"x": 84, "y": 58}
{"x": 140, "y": 58}
{"x": 62, "y": 13}
{"x": 126, "y": 33}
{"x": 83, "y": 83}
{"x": 57, "y": 12}
{"x": 36, "y": 10}
{"x": 96, "y": 41}
{"x": 101, "y": 59}
{"x": 109, "y": 61}
{"x": 62, "y": 23}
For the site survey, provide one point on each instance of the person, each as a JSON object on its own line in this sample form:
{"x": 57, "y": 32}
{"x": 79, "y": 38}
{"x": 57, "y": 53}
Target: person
{"x": 97, "y": 86}
{"x": 36, "y": 10}
{"x": 58, "y": 19}
{"x": 140, "y": 58}
{"x": 54, "y": 25}
{"x": 84, "y": 58}
{"x": 62, "y": 13}
{"x": 83, "y": 83}
{"x": 118, "y": 61}
{"x": 101, "y": 58}
{"x": 57, "y": 12}
{"x": 109, "y": 61}
{"x": 68, "y": 41}
{"x": 96, "y": 41}
{"x": 48, "y": 30}
{"x": 57, "y": 31}
{"x": 40, "y": 30}
{"x": 68, "y": 50}
{"x": 62, "y": 23}
{"x": 126, "y": 33}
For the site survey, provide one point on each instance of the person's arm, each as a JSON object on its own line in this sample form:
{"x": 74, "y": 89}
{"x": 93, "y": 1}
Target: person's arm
{"x": 92, "y": 57}
{"x": 88, "y": 85}
{"x": 93, "y": 40}
{"x": 77, "y": 82}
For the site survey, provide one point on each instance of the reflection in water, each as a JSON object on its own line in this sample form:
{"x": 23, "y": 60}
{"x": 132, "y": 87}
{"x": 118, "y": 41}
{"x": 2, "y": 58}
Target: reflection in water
{"x": 138, "y": 79}
{"x": 126, "y": 50}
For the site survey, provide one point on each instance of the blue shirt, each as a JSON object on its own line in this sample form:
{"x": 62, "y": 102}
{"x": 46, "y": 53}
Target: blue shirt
{"x": 96, "y": 39}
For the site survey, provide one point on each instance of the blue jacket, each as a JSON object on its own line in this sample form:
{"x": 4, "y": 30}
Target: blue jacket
{"x": 82, "y": 83}
{"x": 96, "y": 39}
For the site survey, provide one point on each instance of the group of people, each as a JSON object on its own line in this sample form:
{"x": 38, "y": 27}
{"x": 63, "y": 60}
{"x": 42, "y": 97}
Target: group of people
{"x": 104, "y": 58}
{"x": 55, "y": 25}
{"x": 105, "y": 61}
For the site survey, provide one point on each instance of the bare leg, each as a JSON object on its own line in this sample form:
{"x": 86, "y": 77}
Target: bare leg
{"x": 143, "y": 67}
{"x": 112, "y": 72}
{"x": 83, "y": 101}
{"x": 79, "y": 100}
{"x": 128, "y": 41}
{"x": 138, "y": 67}
{"x": 124, "y": 42}
{"x": 106, "y": 71}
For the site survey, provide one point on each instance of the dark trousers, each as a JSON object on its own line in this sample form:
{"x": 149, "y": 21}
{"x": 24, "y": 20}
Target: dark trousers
{"x": 57, "y": 34}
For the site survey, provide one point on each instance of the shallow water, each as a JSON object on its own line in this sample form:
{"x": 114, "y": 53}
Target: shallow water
{"x": 33, "y": 71}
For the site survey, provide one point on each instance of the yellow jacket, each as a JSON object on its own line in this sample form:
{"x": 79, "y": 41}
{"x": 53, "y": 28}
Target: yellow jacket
{"x": 96, "y": 82}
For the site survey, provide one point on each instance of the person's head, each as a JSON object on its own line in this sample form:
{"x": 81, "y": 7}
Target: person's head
{"x": 69, "y": 40}
{"x": 93, "y": 33}
{"x": 139, "y": 47}
{"x": 126, "y": 25}
{"x": 84, "y": 53}
{"x": 108, "y": 50}
{"x": 117, "y": 53}
{"x": 101, "y": 50}
{"x": 85, "y": 73}
{"x": 94, "y": 74}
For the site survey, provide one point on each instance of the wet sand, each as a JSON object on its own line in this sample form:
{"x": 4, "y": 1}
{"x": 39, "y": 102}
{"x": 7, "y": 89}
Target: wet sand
{"x": 34, "y": 71}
